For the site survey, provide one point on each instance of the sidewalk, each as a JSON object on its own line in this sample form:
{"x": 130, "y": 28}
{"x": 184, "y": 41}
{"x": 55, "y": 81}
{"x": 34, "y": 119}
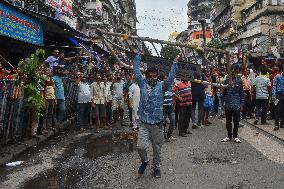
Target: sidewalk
{"x": 269, "y": 128}
{"x": 11, "y": 151}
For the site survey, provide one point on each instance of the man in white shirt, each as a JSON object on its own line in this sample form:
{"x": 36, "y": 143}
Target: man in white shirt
{"x": 134, "y": 100}
{"x": 98, "y": 95}
{"x": 118, "y": 100}
{"x": 108, "y": 83}
{"x": 84, "y": 99}
{"x": 262, "y": 93}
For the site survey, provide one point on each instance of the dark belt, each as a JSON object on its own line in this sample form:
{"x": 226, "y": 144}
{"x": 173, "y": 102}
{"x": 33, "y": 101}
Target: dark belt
{"x": 159, "y": 123}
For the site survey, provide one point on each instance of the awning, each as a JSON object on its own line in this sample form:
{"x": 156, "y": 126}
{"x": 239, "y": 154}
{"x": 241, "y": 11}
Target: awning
{"x": 58, "y": 31}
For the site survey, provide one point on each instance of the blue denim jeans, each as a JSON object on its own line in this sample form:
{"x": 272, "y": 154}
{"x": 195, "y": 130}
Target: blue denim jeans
{"x": 200, "y": 111}
{"x": 279, "y": 113}
{"x": 83, "y": 114}
{"x": 261, "y": 109}
{"x": 220, "y": 97}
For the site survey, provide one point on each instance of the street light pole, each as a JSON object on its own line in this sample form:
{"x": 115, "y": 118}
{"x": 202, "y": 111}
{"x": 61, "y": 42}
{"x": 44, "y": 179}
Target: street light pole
{"x": 202, "y": 21}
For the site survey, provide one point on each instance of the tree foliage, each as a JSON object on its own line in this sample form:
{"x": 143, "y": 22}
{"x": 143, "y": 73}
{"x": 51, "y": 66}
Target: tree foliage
{"x": 215, "y": 43}
{"x": 31, "y": 70}
{"x": 170, "y": 52}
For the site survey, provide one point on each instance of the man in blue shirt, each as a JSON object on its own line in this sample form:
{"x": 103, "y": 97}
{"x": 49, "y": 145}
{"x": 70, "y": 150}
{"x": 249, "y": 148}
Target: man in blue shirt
{"x": 59, "y": 94}
{"x": 151, "y": 113}
{"x": 278, "y": 98}
{"x": 234, "y": 100}
{"x": 169, "y": 112}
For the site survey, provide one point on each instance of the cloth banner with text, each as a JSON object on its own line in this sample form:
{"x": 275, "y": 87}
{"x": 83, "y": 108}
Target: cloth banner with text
{"x": 185, "y": 70}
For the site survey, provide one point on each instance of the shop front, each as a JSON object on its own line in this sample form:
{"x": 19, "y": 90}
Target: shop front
{"x": 20, "y": 33}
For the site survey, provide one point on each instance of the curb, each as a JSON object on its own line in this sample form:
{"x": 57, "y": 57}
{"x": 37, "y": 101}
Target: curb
{"x": 264, "y": 130}
{"x": 11, "y": 151}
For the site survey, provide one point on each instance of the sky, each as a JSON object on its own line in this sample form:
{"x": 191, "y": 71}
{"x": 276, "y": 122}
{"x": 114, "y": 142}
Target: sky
{"x": 159, "y": 18}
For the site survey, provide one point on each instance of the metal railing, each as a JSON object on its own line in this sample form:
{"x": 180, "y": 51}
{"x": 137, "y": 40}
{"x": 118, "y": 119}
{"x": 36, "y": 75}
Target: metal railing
{"x": 13, "y": 110}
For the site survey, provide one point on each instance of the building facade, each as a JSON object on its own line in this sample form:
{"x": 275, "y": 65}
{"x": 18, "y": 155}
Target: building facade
{"x": 251, "y": 26}
{"x": 198, "y": 9}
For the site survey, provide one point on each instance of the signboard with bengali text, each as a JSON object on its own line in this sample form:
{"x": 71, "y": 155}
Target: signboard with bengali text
{"x": 19, "y": 26}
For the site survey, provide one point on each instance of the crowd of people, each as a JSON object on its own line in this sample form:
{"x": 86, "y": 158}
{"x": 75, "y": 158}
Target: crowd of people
{"x": 106, "y": 95}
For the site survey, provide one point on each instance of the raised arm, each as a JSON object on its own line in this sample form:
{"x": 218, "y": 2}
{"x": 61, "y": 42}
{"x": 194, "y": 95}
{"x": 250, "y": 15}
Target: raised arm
{"x": 137, "y": 72}
{"x": 170, "y": 80}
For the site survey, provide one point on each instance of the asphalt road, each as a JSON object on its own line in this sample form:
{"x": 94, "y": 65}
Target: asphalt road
{"x": 84, "y": 160}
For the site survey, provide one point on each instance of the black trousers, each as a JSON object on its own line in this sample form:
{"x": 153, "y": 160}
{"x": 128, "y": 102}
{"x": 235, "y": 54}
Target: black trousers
{"x": 184, "y": 118}
{"x": 247, "y": 104}
{"x": 130, "y": 115}
{"x": 261, "y": 109}
{"x": 279, "y": 111}
{"x": 176, "y": 114}
{"x": 232, "y": 116}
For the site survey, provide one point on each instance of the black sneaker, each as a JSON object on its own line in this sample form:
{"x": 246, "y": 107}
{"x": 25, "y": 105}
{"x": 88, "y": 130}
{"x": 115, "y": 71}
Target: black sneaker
{"x": 188, "y": 132}
{"x": 255, "y": 122}
{"x": 142, "y": 168}
{"x": 157, "y": 173}
{"x": 276, "y": 128}
{"x": 182, "y": 135}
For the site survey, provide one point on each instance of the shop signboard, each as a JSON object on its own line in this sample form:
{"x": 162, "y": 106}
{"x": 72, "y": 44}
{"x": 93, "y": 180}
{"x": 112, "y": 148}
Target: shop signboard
{"x": 62, "y": 6}
{"x": 19, "y": 26}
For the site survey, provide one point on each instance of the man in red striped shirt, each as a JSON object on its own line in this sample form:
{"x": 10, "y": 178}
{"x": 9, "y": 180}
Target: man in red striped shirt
{"x": 183, "y": 92}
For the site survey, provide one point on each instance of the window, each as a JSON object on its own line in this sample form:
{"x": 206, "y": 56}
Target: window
{"x": 273, "y": 20}
{"x": 273, "y": 41}
{"x": 259, "y": 5}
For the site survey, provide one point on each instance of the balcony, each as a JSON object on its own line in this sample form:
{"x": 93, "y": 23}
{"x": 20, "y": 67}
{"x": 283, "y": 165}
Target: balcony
{"x": 260, "y": 30}
{"x": 256, "y": 13}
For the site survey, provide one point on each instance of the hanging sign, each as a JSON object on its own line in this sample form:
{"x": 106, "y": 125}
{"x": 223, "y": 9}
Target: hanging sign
{"x": 185, "y": 70}
{"x": 19, "y": 26}
{"x": 62, "y": 6}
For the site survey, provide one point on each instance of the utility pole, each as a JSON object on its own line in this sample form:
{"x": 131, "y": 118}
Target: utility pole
{"x": 202, "y": 21}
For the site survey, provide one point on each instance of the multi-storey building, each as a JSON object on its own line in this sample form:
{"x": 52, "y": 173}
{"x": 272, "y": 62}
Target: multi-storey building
{"x": 62, "y": 19}
{"x": 253, "y": 26}
{"x": 198, "y": 9}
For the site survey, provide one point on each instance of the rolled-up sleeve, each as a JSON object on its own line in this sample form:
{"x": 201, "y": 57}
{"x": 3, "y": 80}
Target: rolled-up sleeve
{"x": 170, "y": 80}
{"x": 137, "y": 72}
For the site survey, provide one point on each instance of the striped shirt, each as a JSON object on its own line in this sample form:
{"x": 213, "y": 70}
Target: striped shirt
{"x": 168, "y": 98}
{"x": 184, "y": 91}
